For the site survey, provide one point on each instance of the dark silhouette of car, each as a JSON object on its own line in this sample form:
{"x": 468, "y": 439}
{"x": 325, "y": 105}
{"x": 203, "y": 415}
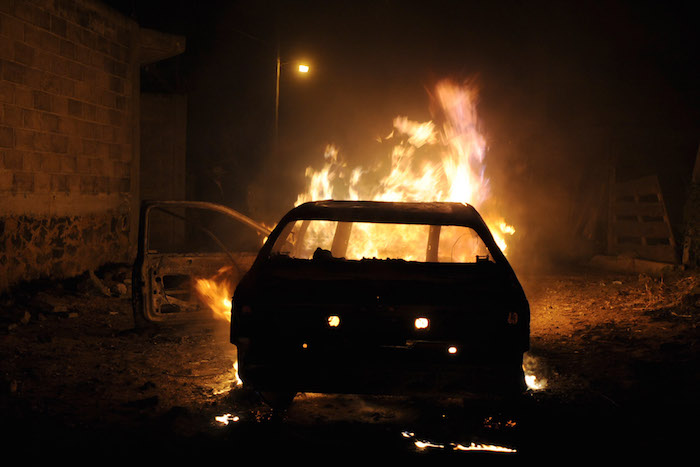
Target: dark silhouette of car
{"x": 380, "y": 298}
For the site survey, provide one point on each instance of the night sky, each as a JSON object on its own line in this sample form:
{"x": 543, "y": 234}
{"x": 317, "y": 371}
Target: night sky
{"x": 565, "y": 88}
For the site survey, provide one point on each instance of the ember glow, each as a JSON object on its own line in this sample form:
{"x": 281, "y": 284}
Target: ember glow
{"x": 531, "y": 366}
{"x": 227, "y": 418}
{"x": 427, "y": 163}
{"x": 535, "y": 384}
{"x": 483, "y": 447}
{"x": 424, "y": 444}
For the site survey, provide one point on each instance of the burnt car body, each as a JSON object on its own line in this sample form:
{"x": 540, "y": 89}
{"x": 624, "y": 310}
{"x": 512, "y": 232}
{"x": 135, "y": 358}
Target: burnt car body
{"x": 323, "y": 316}
{"x": 178, "y": 242}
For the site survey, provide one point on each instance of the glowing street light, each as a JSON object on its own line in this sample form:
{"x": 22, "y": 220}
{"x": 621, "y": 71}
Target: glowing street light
{"x": 303, "y": 68}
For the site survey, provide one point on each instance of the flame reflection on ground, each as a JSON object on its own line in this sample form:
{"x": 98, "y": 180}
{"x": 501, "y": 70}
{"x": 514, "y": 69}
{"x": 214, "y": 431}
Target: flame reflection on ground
{"x": 424, "y": 444}
{"x": 534, "y": 370}
{"x": 226, "y": 418}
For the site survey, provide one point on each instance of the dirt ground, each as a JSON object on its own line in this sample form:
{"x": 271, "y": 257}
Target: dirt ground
{"x": 616, "y": 356}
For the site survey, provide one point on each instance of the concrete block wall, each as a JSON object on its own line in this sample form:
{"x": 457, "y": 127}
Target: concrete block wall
{"x": 68, "y": 139}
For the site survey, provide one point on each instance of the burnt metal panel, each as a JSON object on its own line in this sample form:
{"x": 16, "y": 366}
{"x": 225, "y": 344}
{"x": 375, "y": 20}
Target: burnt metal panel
{"x": 163, "y": 281}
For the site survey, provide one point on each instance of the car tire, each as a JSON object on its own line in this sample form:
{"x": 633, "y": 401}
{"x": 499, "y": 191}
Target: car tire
{"x": 278, "y": 400}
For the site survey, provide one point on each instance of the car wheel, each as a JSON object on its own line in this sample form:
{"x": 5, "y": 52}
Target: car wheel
{"x": 278, "y": 400}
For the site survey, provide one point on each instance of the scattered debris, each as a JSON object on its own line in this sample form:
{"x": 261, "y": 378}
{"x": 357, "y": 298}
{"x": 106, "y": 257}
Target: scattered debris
{"x": 100, "y": 286}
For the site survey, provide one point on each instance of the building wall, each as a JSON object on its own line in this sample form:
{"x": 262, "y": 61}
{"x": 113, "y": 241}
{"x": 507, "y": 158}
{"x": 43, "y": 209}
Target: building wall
{"x": 162, "y": 169}
{"x": 163, "y": 120}
{"x": 68, "y": 137}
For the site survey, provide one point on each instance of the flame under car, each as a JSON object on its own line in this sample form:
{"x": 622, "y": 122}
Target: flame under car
{"x": 383, "y": 298}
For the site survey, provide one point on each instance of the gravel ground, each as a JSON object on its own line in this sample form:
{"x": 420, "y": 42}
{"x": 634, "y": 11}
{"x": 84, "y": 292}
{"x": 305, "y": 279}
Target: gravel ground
{"x": 616, "y": 355}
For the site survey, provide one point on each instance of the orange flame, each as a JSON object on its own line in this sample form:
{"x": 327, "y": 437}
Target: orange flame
{"x": 459, "y": 176}
{"x": 216, "y": 292}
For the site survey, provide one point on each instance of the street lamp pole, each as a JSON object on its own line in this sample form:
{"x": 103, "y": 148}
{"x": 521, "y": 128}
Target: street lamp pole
{"x": 302, "y": 69}
{"x": 277, "y": 100}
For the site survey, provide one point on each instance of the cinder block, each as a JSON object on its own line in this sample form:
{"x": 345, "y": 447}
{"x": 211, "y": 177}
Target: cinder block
{"x": 31, "y": 162}
{"x": 116, "y": 85}
{"x": 12, "y": 160}
{"x": 12, "y": 115}
{"x": 88, "y": 184}
{"x": 97, "y": 166}
{"x": 75, "y": 108}
{"x": 42, "y": 101}
{"x": 82, "y": 54}
{"x": 59, "y": 183}
{"x": 50, "y": 163}
{"x": 42, "y": 182}
{"x": 42, "y": 142}
{"x": 89, "y": 147}
{"x": 116, "y": 117}
{"x": 77, "y": 71}
{"x": 83, "y": 164}
{"x": 115, "y": 151}
{"x": 23, "y": 96}
{"x": 30, "y": 118}
{"x": 73, "y": 182}
{"x": 59, "y": 143}
{"x": 50, "y": 83}
{"x": 7, "y": 48}
{"x": 68, "y": 164}
{"x": 67, "y": 125}
{"x": 42, "y": 60}
{"x": 24, "y": 53}
{"x": 102, "y": 184}
{"x": 7, "y": 92}
{"x": 58, "y": 26}
{"x": 24, "y": 139}
{"x": 23, "y": 182}
{"x": 60, "y": 105}
{"x": 5, "y": 181}
{"x": 59, "y": 65}
{"x": 67, "y": 49}
{"x": 15, "y": 72}
{"x": 89, "y": 111}
{"x": 7, "y": 138}
{"x": 48, "y": 122}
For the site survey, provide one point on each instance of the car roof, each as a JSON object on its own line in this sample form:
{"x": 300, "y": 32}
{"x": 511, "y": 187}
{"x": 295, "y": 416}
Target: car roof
{"x": 388, "y": 211}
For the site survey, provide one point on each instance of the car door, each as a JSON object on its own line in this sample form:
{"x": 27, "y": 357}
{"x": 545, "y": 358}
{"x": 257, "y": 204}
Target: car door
{"x": 190, "y": 256}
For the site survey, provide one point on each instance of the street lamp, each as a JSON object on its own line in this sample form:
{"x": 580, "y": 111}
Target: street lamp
{"x": 303, "y": 68}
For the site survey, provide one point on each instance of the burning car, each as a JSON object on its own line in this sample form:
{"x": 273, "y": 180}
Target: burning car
{"x": 380, "y": 297}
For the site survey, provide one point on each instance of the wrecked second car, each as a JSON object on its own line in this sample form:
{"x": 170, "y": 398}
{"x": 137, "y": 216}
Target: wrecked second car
{"x": 180, "y": 241}
{"x": 380, "y": 297}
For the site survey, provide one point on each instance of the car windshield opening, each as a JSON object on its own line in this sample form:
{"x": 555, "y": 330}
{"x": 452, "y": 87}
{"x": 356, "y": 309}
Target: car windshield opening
{"x": 322, "y": 239}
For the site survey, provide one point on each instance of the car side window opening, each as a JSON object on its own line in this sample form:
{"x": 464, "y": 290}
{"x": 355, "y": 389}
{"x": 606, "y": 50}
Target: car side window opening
{"x": 315, "y": 239}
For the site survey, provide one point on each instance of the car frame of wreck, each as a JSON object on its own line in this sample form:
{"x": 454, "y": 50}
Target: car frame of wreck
{"x": 167, "y": 263}
{"x": 317, "y": 313}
